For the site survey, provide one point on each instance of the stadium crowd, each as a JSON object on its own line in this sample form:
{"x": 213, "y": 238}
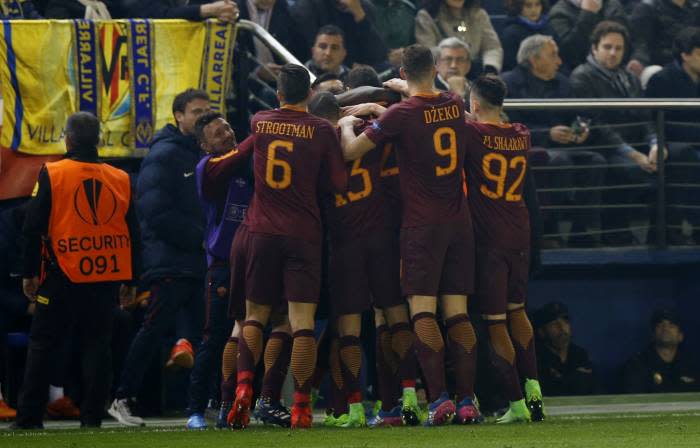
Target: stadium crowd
{"x": 571, "y": 49}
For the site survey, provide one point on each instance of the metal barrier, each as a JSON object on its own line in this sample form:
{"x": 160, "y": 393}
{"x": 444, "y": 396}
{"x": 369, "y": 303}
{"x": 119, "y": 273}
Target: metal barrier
{"x": 271, "y": 43}
{"x": 659, "y": 108}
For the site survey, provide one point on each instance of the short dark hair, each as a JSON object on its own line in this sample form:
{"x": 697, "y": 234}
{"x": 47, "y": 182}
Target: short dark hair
{"x": 202, "y": 122}
{"x": 323, "y": 78}
{"x": 362, "y": 75}
{"x": 609, "y": 27}
{"x": 293, "y": 83}
{"x": 330, "y": 30}
{"x": 83, "y": 130}
{"x": 184, "y": 98}
{"x": 490, "y": 88}
{"x": 515, "y": 7}
{"x": 417, "y": 61}
{"x": 686, "y": 41}
{"x": 325, "y": 105}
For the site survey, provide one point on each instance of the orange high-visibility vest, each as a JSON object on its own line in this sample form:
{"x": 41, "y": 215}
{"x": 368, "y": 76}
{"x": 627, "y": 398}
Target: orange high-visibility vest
{"x": 87, "y": 227}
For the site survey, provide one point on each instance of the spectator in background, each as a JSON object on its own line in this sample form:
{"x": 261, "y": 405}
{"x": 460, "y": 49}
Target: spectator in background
{"x": 680, "y": 79}
{"x": 658, "y": 23}
{"x": 525, "y": 18}
{"x": 573, "y": 21}
{"x": 356, "y": 19}
{"x": 465, "y": 20}
{"x": 453, "y": 65}
{"x": 395, "y": 22}
{"x": 274, "y": 16}
{"x": 663, "y": 366}
{"x": 564, "y": 367}
{"x": 328, "y": 53}
{"x": 537, "y": 76}
{"x": 18, "y": 9}
{"x": 604, "y": 76}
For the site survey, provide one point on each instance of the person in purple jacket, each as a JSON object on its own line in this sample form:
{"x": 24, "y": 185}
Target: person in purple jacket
{"x": 224, "y": 191}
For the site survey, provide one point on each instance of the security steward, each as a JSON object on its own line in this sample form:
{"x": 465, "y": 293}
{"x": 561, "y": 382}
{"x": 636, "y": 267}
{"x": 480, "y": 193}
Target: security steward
{"x": 81, "y": 244}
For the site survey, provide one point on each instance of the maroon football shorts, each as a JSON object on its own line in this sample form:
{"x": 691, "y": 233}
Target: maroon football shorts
{"x": 365, "y": 272}
{"x": 238, "y": 260}
{"x": 437, "y": 259}
{"x": 501, "y": 278}
{"x": 282, "y": 268}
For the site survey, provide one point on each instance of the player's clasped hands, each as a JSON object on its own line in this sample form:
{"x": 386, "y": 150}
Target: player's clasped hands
{"x": 349, "y": 121}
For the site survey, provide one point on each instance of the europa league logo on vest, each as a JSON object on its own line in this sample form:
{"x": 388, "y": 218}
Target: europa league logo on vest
{"x": 94, "y": 202}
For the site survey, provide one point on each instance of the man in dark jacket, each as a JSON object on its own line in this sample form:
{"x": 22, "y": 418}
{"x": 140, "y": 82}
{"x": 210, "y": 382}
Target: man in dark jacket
{"x": 80, "y": 241}
{"x": 354, "y": 17}
{"x": 658, "y": 22}
{"x": 564, "y": 367}
{"x": 573, "y": 21}
{"x": 172, "y": 226}
{"x": 663, "y": 366}
{"x": 680, "y": 79}
{"x": 537, "y": 76}
{"x": 633, "y": 145}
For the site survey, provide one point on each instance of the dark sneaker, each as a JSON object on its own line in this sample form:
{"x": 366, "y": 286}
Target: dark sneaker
{"x": 393, "y": 417}
{"x": 224, "y": 410}
{"x": 272, "y": 413}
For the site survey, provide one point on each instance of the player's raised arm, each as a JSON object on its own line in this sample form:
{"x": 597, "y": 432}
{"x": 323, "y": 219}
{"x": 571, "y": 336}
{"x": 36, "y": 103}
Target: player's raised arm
{"x": 354, "y": 146}
{"x": 364, "y": 109}
{"x": 366, "y": 94}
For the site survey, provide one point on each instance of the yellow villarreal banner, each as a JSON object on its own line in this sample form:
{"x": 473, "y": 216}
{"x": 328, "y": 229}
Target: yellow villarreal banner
{"x": 127, "y": 72}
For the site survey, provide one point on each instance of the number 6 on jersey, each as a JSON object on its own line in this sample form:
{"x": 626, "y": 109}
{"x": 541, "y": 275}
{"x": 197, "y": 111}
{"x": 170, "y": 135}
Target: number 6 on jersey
{"x": 272, "y": 177}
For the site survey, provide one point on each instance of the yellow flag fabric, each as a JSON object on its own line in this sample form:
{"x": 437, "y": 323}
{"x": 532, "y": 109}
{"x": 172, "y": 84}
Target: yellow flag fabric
{"x": 127, "y": 72}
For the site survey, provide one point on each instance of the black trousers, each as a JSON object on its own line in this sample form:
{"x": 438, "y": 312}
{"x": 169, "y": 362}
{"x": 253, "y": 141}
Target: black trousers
{"x": 64, "y": 308}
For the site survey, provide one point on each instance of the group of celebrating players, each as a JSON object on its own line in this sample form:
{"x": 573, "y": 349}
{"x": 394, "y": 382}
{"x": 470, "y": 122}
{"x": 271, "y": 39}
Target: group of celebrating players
{"x": 422, "y": 207}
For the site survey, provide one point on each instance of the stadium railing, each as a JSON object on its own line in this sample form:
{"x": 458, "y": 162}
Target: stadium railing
{"x": 660, "y": 205}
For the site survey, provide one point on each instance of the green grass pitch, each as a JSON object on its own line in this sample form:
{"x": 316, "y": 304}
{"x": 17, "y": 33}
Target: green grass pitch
{"x": 636, "y": 421}
{"x": 633, "y": 431}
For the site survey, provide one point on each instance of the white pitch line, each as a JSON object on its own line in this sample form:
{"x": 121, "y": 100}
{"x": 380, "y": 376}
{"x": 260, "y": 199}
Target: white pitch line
{"x": 583, "y": 412}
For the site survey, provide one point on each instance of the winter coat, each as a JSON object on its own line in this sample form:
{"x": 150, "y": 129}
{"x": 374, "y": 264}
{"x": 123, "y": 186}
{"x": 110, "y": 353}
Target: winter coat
{"x": 515, "y": 30}
{"x": 659, "y": 22}
{"x": 574, "y": 27}
{"x": 480, "y": 35}
{"x": 170, "y": 216}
